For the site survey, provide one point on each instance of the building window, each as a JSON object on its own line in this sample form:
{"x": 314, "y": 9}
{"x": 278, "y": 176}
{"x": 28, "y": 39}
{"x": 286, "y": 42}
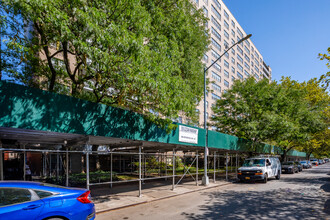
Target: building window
{"x": 226, "y": 14}
{"x": 226, "y": 73}
{"x": 206, "y": 2}
{"x": 256, "y": 68}
{"x": 216, "y": 66}
{"x": 246, "y": 73}
{"x": 206, "y": 12}
{"x": 232, "y": 32}
{"x": 256, "y": 75}
{"x": 226, "y": 34}
{"x": 216, "y": 76}
{"x": 226, "y": 63}
{"x": 216, "y": 87}
{"x": 248, "y": 43}
{"x": 233, "y": 23}
{"x": 215, "y": 54}
{"x": 247, "y": 65}
{"x": 257, "y": 62}
{"x": 233, "y": 70}
{"x": 239, "y": 75}
{"x": 216, "y": 24}
{"x": 247, "y": 50}
{"x": 227, "y": 55}
{"x": 233, "y": 51}
{"x": 216, "y": 2}
{"x": 216, "y": 13}
{"x": 239, "y": 50}
{"x": 226, "y": 83}
{"x": 252, "y": 49}
{"x": 247, "y": 58}
{"x": 216, "y": 44}
{"x": 239, "y": 67}
{"x": 233, "y": 60}
{"x": 239, "y": 58}
{"x": 233, "y": 79}
{"x": 226, "y": 24}
{"x": 226, "y": 44}
{"x": 215, "y": 97}
{"x": 239, "y": 32}
{"x": 216, "y": 34}
{"x": 256, "y": 54}
{"x": 205, "y": 58}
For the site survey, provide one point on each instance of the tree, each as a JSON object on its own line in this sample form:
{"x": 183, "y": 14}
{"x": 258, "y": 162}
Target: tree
{"x": 325, "y": 78}
{"x": 11, "y": 41}
{"x": 319, "y": 100}
{"x": 246, "y": 110}
{"x": 141, "y": 55}
{"x": 277, "y": 113}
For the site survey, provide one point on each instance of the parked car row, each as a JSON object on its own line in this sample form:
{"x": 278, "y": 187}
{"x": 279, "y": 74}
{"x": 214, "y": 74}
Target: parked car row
{"x": 263, "y": 168}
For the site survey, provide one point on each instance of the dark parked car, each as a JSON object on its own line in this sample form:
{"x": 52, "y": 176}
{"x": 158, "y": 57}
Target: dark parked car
{"x": 299, "y": 165}
{"x": 306, "y": 164}
{"x": 289, "y": 167}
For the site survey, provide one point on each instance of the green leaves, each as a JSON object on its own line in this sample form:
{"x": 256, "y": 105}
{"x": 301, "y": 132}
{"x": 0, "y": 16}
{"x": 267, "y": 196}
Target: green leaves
{"x": 141, "y": 55}
{"x": 288, "y": 114}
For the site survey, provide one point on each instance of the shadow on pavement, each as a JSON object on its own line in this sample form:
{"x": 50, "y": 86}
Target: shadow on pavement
{"x": 274, "y": 204}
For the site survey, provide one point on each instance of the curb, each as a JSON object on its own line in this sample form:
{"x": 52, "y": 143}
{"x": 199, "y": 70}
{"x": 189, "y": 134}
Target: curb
{"x": 158, "y": 199}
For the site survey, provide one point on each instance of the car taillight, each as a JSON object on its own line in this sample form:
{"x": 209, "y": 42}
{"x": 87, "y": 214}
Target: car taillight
{"x": 85, "y": 197}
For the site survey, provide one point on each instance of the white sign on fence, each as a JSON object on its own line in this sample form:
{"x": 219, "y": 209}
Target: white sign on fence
{"x": 188, "y": 135}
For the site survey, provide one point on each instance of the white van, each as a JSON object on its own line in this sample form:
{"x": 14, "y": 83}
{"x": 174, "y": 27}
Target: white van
{"x": 260, "y": 168}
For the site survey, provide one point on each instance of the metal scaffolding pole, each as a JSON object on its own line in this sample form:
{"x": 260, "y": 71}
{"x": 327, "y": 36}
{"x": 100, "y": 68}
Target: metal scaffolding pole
{"x": 44, "y": 164}
{"x": 173, "y": 169}
{"x": 236, "y": 165}
{"x": 111, "y": 169}
{"x": 214, "y": 164}
{"x": 165, "y": 165}
{"x": 87, "y": 169}
{"x": 196, "y": 168}
{"x": 57, "y": 166}
{"x": 140, "y": 173}
{"x": 1, "y": 163}
{"x": 24, "y": 165}
{"x": 231, "y": 163}
{"x": 50, "y": 165}
{"x": 67, "y": 167}
{"x": 226, "y": 166}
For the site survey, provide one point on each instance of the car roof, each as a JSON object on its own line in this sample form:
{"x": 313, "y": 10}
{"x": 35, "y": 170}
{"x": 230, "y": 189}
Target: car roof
{"x": 39, "y": 186}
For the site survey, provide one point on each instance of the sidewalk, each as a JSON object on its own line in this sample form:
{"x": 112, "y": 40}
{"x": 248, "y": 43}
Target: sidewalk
{"x": 106, "y": 199}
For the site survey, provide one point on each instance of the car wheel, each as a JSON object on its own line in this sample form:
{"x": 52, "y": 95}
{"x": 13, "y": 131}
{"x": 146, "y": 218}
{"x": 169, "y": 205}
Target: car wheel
{"x": 265, "y": 178}
{"x": 278, "y": 175}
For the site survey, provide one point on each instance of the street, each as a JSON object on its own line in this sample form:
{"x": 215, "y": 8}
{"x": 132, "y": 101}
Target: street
{"x": 304, "y": 195}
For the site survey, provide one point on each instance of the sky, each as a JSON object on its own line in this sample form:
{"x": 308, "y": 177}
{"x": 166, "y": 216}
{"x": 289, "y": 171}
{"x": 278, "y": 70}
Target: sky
{"x": 288, "y": 33}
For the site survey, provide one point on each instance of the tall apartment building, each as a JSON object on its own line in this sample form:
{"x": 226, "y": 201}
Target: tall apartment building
{"x": 240, "y": 62}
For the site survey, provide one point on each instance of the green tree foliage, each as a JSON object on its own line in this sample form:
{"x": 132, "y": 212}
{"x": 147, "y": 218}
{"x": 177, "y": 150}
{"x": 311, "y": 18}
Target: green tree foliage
{"x": 142, "y": 55}
{"x": 277, "y": 113}
{"x": 245, "y": 110}
{"x": 325, "y": 78}
{"x": 11, "y": 41}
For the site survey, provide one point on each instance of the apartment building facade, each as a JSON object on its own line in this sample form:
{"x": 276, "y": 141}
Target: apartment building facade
{"x": 240, "y": 62}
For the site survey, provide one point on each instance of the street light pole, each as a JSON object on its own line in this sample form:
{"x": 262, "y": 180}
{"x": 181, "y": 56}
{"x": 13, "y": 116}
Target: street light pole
{"x": 205, "y": 179}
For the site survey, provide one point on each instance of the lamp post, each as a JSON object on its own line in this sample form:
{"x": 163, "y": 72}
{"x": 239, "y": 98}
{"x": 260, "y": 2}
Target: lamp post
{"x": 205, "y": 179}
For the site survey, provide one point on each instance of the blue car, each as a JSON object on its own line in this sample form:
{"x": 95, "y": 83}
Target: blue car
{"x": 39, "y": 201}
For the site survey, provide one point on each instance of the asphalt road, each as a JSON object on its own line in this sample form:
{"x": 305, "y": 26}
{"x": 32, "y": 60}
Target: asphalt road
{"x": 305, "y": 195}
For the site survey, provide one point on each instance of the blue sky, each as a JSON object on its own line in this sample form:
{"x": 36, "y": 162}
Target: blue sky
{"x": 288, "y": 33}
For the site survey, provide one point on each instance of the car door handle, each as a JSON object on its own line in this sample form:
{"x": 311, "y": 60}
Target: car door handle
{"x": 31, "y": 207}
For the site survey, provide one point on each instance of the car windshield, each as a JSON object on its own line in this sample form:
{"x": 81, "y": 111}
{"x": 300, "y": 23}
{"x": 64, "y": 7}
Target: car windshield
{"x": 303, "y": 162}
{"x": 287, "y": 163}
{"x": 254, "y": 163}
